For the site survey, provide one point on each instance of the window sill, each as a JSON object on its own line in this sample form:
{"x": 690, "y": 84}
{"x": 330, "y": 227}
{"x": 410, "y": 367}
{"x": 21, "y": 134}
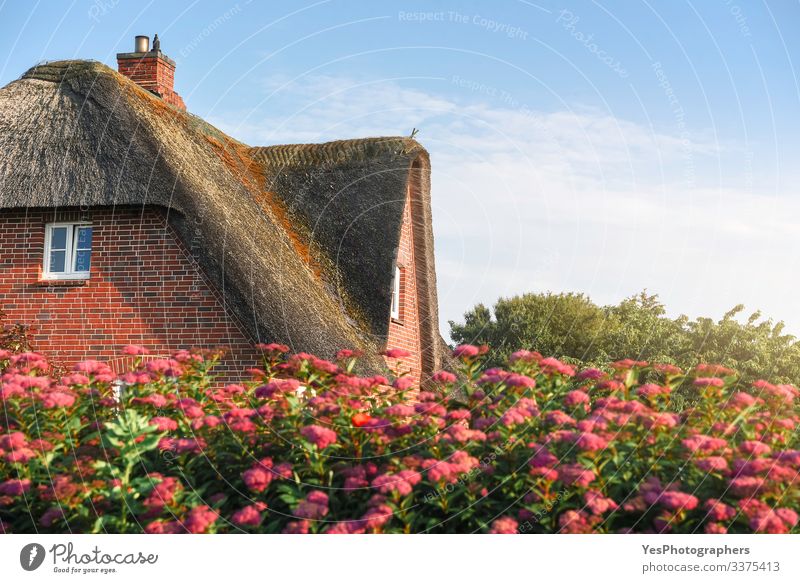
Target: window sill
{"x": 397, "y": 321}
{"x": 61, "y": 282}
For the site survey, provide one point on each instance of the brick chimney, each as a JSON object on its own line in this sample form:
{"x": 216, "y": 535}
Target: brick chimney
{"x": 151, "y": 70}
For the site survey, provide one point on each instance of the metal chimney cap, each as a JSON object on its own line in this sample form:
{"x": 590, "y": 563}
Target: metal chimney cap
{"x": 142, "y": 44}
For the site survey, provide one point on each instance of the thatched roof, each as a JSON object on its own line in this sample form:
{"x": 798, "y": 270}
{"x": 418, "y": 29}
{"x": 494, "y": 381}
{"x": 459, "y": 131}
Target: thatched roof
{"x": 301, "y": 239}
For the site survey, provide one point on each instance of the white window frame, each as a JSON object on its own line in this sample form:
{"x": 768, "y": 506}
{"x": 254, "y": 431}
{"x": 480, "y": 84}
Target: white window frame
{"x": 71, "y": 251}
{"x": 395, "y": 308}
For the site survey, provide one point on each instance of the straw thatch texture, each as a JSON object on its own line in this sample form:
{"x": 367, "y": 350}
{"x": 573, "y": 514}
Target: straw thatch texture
{"x": 299, "y": 239}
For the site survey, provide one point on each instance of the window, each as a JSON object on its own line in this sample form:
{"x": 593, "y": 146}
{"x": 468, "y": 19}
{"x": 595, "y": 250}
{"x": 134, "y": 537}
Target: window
{"x": 395, "y": 312}
{"x": 67, "y": 251}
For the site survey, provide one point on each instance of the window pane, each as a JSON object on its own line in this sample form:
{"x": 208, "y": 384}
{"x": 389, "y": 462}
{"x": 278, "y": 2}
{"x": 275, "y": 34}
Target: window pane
{"x": 395, "y": 308}
{"x": 57, "y": 261}
{"x": 58, "y": 238}
{"x": 84, "y": 238}
{"x": 82, "y": 259}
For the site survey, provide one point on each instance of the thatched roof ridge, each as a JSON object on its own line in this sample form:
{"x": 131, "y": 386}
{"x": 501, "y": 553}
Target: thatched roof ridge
{"x": 58, "y": 71}
{"x": 271, "y": 227}
{"x": 337, "y": 152}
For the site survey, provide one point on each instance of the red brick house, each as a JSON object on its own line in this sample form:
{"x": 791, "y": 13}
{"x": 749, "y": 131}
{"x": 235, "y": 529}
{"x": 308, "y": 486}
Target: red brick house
{"x": 126, "y": 220}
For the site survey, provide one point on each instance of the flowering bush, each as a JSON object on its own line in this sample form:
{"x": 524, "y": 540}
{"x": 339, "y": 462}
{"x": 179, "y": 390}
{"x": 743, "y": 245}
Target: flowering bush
{"x": 306, "y": 446}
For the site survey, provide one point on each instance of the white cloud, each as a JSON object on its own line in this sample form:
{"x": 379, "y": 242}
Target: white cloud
{"x": 576, "y": 200}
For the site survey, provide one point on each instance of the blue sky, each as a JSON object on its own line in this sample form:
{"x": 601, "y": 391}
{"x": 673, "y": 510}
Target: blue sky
{"x": 576, "y": 146}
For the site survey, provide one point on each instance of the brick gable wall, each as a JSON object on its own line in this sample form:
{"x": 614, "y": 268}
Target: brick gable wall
{"x": 144, "y": 289}
{"x": 404, "y": 332}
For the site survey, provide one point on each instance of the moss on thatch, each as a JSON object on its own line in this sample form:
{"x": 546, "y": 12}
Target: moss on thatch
{"x": 300, "y": 239}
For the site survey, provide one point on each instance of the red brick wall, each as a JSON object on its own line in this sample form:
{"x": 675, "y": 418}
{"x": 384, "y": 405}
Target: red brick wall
{"x": 404, "y": 332}
{"x": 154, "y": 74}
{"x": 144, "y": 289}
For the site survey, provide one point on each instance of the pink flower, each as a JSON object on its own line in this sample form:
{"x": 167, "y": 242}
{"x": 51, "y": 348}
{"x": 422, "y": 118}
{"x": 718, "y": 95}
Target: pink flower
{"x": 590, "y": 442}
{"x": 524, "y": 356}
{"x": 791, "y": 456}
{"x": 283, "y": 470}
{"x": 429, "y": 408}
{"x": 156, "y": 400}
{"x": 134, "y": 350}
{"x": 437, "y": 470}
{"x": 466, "y": 351}
{"x": 167, "y": 367}
{"x": 712, "y": 464}
{"x": 403, "y": 383}
{"x": 400, "y": 410}
{"x": 21, "y": 455}
{"x": 314, "y": 506}
{"x": 558, "y": 417}
{"x": 675, "y": 500}
{"x": 746, "y": 486}
{"x": 719, "y": 511}
{"x": 162, "y": 494}
{"x": 709, "y": 382}
{"x": 249, "y": 515}
{"x": 703, "y": 443}
{"x": 590, "y": 374}
{"x": 75, "y": 379}
{"x": 297, "y": 527}
{"x": 55, "y": 399}
{"x": 459, "y": 415}
{"x": 742, "y": 400}
{"x": 15, "y": 487}
{"x": 182, "y": 445}
{"x": 611, "y": 385}
{"x": 651, "y": 390}
{"x": 164, "y": 423}
{"x": 715, "y": 528}
{"x": 346, "y": 354}
{"x": 543, "y": 458}
{"x": 628, "y": 363}
{"x": 164, "y": 527}
{"x": 320, "y": 436}
{"x": 575, "y": 474}
{"x": 788, "y": 516}
{"x": 575, "y": 522}
{"x": 520, "y": 381}
{"x": 784, "y": 393}
{"x": 553, "y": 365}
{"x": 277, "y": 386}
{"x": 257, "y": 479}
{"x": 597, "y": 503}
{"x": 576, "y": 398}
{"x": 273, "y": 347}
{"x": 754, "y": 448}
{"x": 199, "y": 519}
{"x": 92, "y": 367}
{"x": 396, "y": 353}
{"x": 504, "y": 525}
{"x": 514, "y": 416}
{"x": 50, "y": 516}
{"x": 714, "y": 370}
{"x": 377, "y": 517}
{"x": 409, "y": 476}
{"x": 767, "y": 521}
{"x": 388, "y": 483}
{"x": 443, "y": 377}
{"x": 668, "y": 369}
{"x": 13, "y": 440}
{"x": 186, "y": 357}
{"x": 664, "y": 420}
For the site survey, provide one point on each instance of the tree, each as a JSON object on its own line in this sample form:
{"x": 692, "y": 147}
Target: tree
{"x": 570, "y": 326}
